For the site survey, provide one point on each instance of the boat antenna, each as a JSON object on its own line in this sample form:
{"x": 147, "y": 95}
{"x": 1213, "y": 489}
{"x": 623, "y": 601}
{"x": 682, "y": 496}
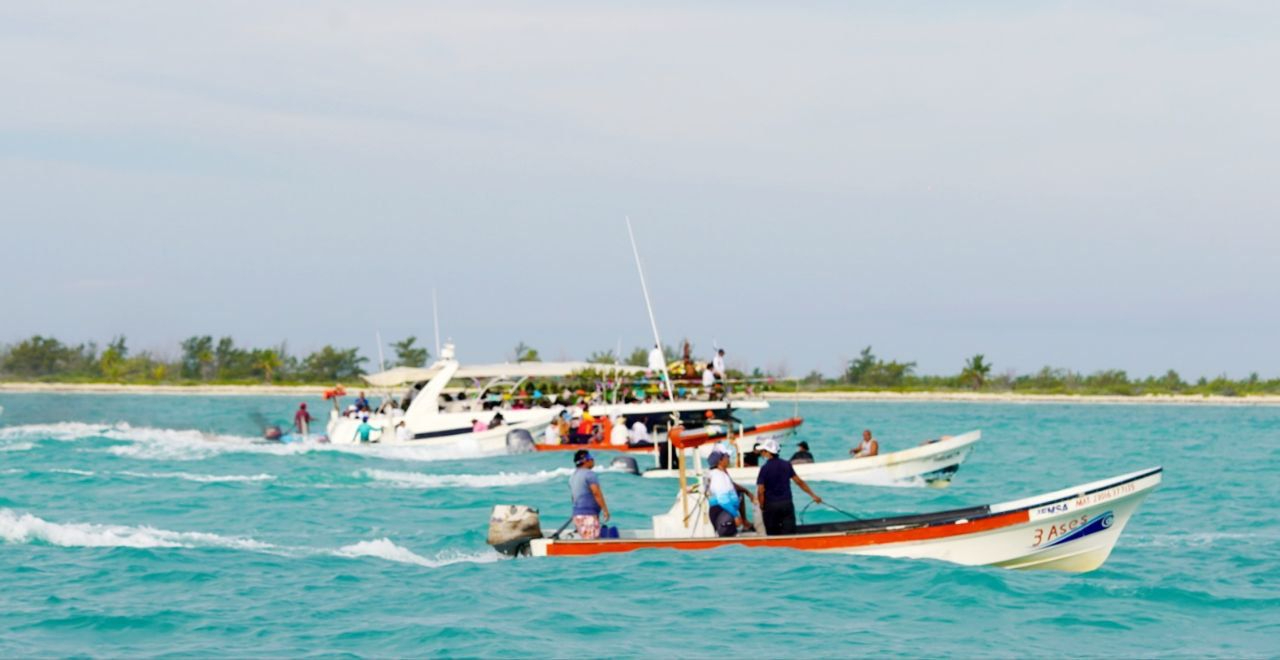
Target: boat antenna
{"x": 382, "y": 363}
{"x": 435, "y": 316}
{"x": 666, "y": 378}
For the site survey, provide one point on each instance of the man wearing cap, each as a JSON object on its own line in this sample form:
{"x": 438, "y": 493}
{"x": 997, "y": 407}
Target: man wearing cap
{"x": 588, "y": 499}
{"x": 726, "y": 506}
{"x": 773, "y": 489}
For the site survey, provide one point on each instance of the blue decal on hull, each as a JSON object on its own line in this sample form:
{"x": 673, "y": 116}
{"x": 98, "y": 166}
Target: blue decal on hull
{"x": 1097, "y": 524}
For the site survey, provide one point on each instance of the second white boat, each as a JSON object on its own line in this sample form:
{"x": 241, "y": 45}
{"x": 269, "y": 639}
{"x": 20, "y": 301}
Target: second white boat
{"x": 931, "y": 464}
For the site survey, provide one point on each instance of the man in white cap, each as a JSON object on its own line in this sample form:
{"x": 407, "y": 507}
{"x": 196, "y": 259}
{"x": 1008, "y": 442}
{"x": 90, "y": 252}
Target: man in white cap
{"x": 773, "y": 491}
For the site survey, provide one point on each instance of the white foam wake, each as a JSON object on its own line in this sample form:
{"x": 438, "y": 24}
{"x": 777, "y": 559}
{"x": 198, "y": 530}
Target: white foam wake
{"x": 191, "y": 445}
{"x": 59, "y": 430}
{"x": 384, "y": 549}
{"x": 420, "y": 480}
{"x": 27, "y": 528}
{"x": 202, "y": 478}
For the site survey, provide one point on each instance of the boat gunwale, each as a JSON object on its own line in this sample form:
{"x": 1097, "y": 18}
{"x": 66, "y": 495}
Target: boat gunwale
{"x": 909, "y": 528}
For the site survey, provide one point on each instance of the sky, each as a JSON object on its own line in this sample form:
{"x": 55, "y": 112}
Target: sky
{"x": 1082, "y": 185}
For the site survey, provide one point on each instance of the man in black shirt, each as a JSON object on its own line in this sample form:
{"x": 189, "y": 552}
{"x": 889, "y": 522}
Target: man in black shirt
{"x": 802, "y": 455}
{"x": 773, "y": 490}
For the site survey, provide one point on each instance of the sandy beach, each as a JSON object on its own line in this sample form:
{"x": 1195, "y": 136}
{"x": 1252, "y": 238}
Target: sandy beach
{"x": 1009, "y": 397}
{"x": 201, "y": 390}
{"x": 957, "y": 397}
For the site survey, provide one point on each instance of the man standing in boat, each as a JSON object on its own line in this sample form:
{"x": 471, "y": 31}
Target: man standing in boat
{"x": 722, "y": 374}
{"x": 725, "y": 496}
{"x": 773, "y": 490}
{"x": 588, "y": 500}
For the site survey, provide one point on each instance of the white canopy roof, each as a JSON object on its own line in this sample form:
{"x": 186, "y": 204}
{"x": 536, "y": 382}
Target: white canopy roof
{"x": 404, "y": 375}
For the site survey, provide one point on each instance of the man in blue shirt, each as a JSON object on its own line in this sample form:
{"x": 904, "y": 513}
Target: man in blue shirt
{"x": 588, "y": 499}
{"x": 773, "y": 489}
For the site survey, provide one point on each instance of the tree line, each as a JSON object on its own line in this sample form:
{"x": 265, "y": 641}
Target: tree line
{"x": 202, "y": 359}
{"x": 869, "y": 372}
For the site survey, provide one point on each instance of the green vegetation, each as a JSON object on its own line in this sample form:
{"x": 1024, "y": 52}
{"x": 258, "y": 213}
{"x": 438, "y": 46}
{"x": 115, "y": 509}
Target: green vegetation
{"x": 869, "y": 373}
{"x": 602, "y": 357}
{"x": 408, "y": 355}
{"x": 639, "y": 356}
{"x": 526, "y": 353}
{"x": 201, "y": 359}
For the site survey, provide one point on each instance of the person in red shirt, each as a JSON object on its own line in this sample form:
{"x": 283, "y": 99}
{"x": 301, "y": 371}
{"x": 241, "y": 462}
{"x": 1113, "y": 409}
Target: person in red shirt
{"x": 302, "y": 419}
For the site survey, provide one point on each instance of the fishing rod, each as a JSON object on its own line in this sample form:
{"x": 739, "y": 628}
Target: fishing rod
{"x": 826, "y": 503}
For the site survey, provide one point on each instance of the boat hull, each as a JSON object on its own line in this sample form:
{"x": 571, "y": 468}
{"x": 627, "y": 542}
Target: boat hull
{"x": 926, "y": 465}
{"x": 1070, "y": 530}
{"x": 490, "y": 441}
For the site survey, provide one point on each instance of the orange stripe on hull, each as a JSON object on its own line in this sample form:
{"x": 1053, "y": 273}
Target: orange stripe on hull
{"x": 833, "y": 541}
{"x": 568, "y": 447}
{"x": 700, "y": 436}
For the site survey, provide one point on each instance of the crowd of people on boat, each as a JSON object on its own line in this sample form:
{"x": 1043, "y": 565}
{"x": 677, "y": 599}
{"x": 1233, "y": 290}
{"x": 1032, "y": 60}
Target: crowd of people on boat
{"x": 577, "y": 426}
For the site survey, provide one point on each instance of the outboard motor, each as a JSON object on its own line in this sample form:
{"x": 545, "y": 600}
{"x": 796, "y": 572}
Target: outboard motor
{"x": 624, "y": 464}
{"x": 511, "y": 527}
{"x": 519, "y": 441}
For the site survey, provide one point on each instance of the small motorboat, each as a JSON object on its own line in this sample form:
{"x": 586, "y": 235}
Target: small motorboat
{"x": 1073, "y": 529}
{"x": 931, "y": 464}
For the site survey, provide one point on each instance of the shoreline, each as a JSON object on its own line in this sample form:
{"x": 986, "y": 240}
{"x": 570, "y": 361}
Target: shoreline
{"x": 899, "y": 397}
{"x": 188, "y": 390}
{"x": 1010, "y": 397}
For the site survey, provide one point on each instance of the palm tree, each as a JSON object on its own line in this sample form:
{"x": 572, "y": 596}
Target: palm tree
{"x": 268, "y": 361}
{"x": 526, "y": 353}
{"x": 976, "y": 370}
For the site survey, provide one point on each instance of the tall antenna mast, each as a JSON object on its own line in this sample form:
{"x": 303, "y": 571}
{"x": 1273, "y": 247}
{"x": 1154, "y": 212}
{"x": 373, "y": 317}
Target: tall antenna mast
{"x": 666, "y": 378}
{"x": 382, "y": 363}
{"x": 435, "y": 316}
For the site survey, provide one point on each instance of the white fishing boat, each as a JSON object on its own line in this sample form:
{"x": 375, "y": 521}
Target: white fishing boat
{"x": 932, "y": 464}
{"x": 1073, "y": 529}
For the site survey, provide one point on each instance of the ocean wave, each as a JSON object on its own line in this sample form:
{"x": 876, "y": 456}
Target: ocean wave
{"x": 420, "y": 480}
{"x": 384, "y": 548}
{"x": 18, "y": 446}
{"x": 147, "y": 443}
{"x": 79, "y": 473}
{"x": 1196, "y": 539}
{"x": 23, "y": 528}
{"x": 26, "y": 528}
{"x": 59, "y": 430}
{"x": 202, "y": 478}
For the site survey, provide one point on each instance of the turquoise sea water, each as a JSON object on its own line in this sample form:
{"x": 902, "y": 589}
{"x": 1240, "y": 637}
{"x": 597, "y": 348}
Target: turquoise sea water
{"x": 148, "y": 525}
